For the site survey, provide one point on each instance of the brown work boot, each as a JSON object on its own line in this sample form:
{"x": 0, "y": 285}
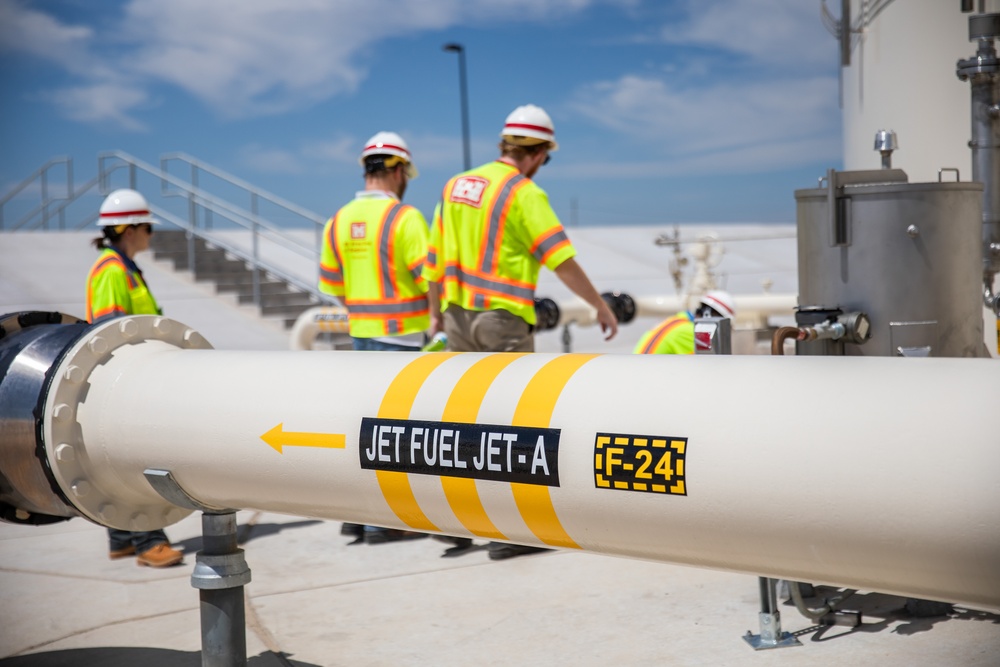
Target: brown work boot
{"x": 115, "y": 554}
{"x": 162, "y": 555}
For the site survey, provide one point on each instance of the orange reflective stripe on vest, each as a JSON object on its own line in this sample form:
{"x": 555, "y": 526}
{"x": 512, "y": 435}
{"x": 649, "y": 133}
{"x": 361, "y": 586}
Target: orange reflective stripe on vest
{"x": 113, "y": 289}
{"x": 373, "y": 258}
{"x": 332, "y": 277}
{"x": 387, "y": 276}
{"x": 482, "y": 285}
{"x": 661, "y": 332}
{"x": 493, "y": 232}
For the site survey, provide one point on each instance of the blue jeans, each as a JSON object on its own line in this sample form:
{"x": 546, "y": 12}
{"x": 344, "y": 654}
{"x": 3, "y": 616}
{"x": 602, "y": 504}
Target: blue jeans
{"x": 142, "y": 541}
{"x": 372, "y": 345}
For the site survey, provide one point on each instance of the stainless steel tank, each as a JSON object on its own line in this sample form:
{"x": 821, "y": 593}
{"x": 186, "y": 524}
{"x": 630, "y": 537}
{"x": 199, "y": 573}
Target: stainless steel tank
{"x": 907, "y": 254}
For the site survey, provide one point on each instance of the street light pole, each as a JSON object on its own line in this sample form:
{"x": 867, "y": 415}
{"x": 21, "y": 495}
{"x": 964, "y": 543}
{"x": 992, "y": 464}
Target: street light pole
{"x": 460, "y": 50}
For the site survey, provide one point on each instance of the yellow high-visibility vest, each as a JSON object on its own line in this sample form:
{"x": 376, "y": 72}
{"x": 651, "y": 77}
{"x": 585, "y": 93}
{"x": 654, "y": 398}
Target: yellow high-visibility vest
{"x": 492, "y": 231}
{"x": 114, "y": 289}
{"x": 674, "y": 335}
{"x": 372, "y": 258}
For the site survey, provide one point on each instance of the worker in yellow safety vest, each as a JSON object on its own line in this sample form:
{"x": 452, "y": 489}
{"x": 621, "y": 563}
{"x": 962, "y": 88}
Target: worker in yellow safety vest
{"x": 115, "y": 287}
{"x": 374, "y": 250}
{"x": 675, "y": 335}
{"x": 372, "y": 260}
{"x": 492, "y": 231}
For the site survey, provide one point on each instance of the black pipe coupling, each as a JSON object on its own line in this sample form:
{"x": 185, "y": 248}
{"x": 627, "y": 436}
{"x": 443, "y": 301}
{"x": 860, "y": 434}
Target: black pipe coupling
{"x": 546, "y": 314}
{"x": 621, "y": 304}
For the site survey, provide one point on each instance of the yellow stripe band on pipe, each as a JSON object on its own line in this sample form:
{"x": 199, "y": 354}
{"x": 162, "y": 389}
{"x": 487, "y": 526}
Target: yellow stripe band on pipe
{"x": 535, "y": 408}
{"x": 463, "y": 406}
{"x": 396, "y": 404}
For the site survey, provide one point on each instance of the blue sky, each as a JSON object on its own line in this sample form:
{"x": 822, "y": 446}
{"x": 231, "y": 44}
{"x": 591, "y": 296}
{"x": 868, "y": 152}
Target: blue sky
{"x": 665, "y": 111}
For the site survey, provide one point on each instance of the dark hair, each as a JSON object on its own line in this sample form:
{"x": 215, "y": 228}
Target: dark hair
{"x": 517, "y": 152}
{"x": 110, "y": 237}
{"x": 376, "y": 164}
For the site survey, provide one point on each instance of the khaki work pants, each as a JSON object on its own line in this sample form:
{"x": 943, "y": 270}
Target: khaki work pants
{"x": 487, "y": 331}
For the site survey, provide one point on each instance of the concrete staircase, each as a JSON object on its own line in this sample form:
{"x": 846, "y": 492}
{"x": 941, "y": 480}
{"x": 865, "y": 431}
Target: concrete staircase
{"x": 201, "y": 205}
{"x": 278, "y": 299}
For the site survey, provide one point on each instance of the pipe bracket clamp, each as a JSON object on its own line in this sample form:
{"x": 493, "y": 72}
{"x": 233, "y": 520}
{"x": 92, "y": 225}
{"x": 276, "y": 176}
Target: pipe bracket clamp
{"x": 220, "y": 571}
{"x": 163, "y": 483}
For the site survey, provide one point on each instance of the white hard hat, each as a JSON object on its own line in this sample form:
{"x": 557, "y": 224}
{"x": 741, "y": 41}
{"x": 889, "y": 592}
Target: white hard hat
{"x": 125, "y": 207}
{"x": 529, "y": 125}
{"x": 389, "y": 143}
{"x": 721, "y": 301}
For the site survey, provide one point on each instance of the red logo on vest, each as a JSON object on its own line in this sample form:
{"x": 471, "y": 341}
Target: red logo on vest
{"x": 469, "y": 190}
{"x": 358, "y": 230}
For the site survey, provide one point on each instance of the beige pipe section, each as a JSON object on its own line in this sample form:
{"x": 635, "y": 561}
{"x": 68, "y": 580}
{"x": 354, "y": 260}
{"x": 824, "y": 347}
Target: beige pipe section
{"x": 748, "y": 306}
{"x": 571, "y": 311}
{"x": 314, "y": 321}
{"x": 871, "y": 473}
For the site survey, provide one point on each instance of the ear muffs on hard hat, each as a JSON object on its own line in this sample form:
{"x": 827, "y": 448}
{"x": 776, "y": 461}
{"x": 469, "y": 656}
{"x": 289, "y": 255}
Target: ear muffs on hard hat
{"x": 125, "y": 207}
{"x": 389, "y": 144}
{"x": 529, "y": 125}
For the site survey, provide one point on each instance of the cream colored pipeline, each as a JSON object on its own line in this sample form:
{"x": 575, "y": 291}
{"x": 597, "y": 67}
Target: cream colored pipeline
{"x": 315, "y": 321}
{"x": 748, "y": 306}
{"x": 576, "y": 311}
{"x": 872, "y": 473}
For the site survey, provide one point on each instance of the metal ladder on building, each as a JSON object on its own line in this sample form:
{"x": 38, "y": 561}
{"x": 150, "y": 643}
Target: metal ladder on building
{"x": 265, "y": 249}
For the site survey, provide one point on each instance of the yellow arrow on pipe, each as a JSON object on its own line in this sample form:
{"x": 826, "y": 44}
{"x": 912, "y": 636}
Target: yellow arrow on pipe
{"x": 278, "y": 438}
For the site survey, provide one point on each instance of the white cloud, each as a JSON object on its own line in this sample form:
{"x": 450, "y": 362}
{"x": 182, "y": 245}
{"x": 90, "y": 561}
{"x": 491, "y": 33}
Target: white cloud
{"x": 254, "y": 57}
{"x": 773, "y": 107}
{"x": 37, "y": 33}
{"x": 787, "y": 33}
{"x": 270, "y": 160}
{"x": 104, "y": 92}
{"x": 429, "y": 151}
{"x": 240, "y": 57}
{"x": 101, "y": 102}
{"x": 725, "y": 127}
{"x": 259, "y": 57}
{"x": 341, "y": 149}
{"x": 736, "y": 160}
{"x": 696, "y": 120}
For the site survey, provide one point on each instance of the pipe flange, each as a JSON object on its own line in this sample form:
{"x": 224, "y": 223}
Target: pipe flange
{"x": 977, "y": 66}
{"x": 70, "y": 462}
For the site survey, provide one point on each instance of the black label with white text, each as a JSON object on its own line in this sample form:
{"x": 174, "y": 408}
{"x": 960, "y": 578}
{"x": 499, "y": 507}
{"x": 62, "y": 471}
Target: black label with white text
{"x": 520, "y": 454}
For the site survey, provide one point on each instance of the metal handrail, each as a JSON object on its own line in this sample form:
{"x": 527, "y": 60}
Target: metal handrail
{"x": 40, "y": 174}
{"x": 259, "y": 227}
{"x": 58, "y": 210}
{"x": 256, "y": 194}
{"x": 239, "y": 252}
{"x": 240, "y": 183}
{"x": 232, "y": 213}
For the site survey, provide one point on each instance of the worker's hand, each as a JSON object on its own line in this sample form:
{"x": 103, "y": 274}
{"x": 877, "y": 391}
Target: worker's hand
{"x": 437, "y": 324}
{"x": 607, "y": 320}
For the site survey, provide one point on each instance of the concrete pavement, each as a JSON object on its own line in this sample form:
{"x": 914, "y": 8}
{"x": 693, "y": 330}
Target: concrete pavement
{"x": 316, "y": 600}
